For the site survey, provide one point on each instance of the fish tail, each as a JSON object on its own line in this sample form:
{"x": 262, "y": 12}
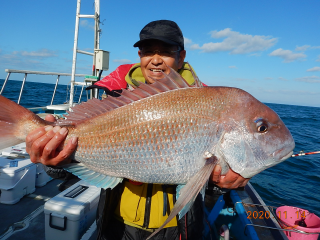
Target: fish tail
{"x": 16, "y": 122}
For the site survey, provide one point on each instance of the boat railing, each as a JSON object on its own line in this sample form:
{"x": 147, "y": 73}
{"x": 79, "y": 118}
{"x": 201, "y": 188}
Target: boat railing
{"x": 26, "y": 72}
{"x": 279, "y": 229}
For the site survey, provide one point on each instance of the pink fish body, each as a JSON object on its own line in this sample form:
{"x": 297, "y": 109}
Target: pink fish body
{"x": 166, "y": 132}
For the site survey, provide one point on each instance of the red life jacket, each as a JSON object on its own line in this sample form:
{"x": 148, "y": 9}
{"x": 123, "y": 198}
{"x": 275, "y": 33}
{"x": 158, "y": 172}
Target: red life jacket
{"x": 116, "y": 79}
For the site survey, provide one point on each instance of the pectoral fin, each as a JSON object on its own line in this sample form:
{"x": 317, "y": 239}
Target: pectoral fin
{"x": 189, "y": 192}
{"x": 187, "y": 207}
{"x": 92, "y": 177}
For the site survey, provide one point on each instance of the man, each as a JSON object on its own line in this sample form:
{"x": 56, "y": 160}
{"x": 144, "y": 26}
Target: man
{"x": 135, "y": 209}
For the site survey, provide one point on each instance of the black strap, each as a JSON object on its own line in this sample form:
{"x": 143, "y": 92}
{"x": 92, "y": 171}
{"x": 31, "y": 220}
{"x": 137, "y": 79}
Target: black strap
{"x": 165, "y": 199}
{"x": 107, "y": 203}
{"x": 148, "y": 206}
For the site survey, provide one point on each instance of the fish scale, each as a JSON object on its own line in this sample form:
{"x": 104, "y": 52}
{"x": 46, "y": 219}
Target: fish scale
{"x": 167, "y": 156}
{"x": 167, "y": 128}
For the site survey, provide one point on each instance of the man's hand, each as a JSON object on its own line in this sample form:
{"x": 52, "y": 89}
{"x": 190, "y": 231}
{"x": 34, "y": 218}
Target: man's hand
{"x": 231, "y": 180}
{"x": 44, "y": 143}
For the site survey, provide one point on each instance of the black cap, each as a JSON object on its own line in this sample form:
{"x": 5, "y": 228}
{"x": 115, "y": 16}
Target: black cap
{"x": 163, "y": 30}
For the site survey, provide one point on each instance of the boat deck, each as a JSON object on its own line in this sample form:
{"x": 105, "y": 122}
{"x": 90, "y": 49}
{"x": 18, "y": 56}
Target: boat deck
{"x": 25, "y": 219}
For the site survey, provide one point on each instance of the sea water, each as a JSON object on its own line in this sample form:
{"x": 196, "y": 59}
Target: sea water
{"x": 294, "y": 182}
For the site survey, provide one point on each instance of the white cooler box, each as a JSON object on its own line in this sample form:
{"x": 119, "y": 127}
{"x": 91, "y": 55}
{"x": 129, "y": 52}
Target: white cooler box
{"x": 69, "y": 214}
{"x": 17, "y": 178}
{"x": 19, "y": 149}
{"x": 42, "y": 178}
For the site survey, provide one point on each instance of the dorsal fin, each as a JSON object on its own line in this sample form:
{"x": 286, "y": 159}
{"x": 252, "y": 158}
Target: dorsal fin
{"x": 95, "y": 107}
{"x": 175, "y": 77}
{"x": 197, "y": 82}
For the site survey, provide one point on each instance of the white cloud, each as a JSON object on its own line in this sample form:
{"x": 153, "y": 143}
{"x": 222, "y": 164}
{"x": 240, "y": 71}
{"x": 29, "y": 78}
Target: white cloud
{"x": 86, "y": 24}
{"x": 302, "y": 48}
{"x": 42, "y": 53}
{"x": 287, "y": 55}
{"x": 187, "y": 41}
{"x": 189, "y": 44}
{"x": 122, "y": 61}
{"x": 236, "y": 43}
{"x": 195, "y": 47}
{"x": 282, "y": 79}
{"x": 16, "y": 61}
{"x": 31, "y": 60}
{"x": 268, "y": 78}
{"x": 232, "y": 67}
{"x": 306, "y": 47}
{"x": 309, "y": 79}
{"x": 318, "y": 60}
{"x": 314, "y": 69}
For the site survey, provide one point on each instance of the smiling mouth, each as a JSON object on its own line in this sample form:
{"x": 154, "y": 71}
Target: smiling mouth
{"x": 156, "y": 70}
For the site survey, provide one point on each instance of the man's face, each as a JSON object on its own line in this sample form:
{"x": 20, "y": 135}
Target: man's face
{"x": 156, "y": 57}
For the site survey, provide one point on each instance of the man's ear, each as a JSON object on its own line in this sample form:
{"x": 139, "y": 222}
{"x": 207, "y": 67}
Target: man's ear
{"x": 182, "y": 56}
{"x": 139, "y": 53}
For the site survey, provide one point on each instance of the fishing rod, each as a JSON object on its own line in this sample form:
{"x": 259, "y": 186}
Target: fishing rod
{"x": 302, "y": 153}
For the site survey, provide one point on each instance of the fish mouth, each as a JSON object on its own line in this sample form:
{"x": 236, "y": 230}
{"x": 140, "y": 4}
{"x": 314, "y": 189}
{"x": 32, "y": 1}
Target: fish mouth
{"x": 278, "y": 154}
{"x": 286, "y": 156}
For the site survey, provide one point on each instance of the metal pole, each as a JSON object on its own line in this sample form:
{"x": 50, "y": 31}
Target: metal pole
{"x": 96, "y": 42}
{"x": 42, "y": 73}
{"x": 74, "y": 59}
{"x": 97, "y": 24}
{"x": 5, "y": 82}
{"x": 98, "y": 34}
{"x": 81, "y": 93}
{"x": 55, "y": 88}
{"x": 84, "y": 52}
{"x": 24, "y": 80}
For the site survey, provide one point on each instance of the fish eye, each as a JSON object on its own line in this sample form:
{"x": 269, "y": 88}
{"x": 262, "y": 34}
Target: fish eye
{"x": 262, "y": 128}
{"x": 262, "y": 125}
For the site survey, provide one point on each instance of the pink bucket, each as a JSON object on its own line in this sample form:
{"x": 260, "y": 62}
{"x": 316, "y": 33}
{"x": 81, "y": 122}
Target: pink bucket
{"x": 298, "y": 219}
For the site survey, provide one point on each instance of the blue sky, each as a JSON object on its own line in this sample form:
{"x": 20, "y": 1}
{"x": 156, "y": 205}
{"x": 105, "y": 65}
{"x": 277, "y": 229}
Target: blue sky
{"x": 269, "y": 48}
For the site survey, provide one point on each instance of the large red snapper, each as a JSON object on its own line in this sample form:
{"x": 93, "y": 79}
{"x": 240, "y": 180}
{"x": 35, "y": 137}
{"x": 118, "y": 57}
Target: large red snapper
{"x": 166, "y": 132}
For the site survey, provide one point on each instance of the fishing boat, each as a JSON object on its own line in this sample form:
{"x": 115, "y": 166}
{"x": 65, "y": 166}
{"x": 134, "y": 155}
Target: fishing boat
{"x": 236, "y": 214}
